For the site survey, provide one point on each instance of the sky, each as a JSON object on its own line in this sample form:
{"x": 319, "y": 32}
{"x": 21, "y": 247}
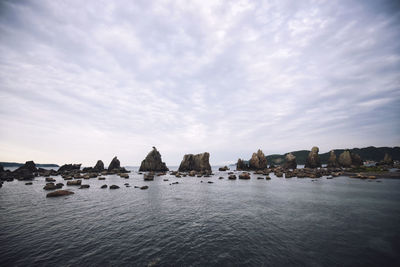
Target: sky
{"x": 88, "y": 80}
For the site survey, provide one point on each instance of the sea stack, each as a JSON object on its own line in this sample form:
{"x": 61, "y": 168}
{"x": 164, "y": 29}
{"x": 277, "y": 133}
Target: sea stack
{"x": 153, "y": 162}
{"x": 290, "y": 161}
{"x": 345, "y": 159}
{"x": 199, "y": 162}
{"x": 313, "y": 160}
{"x": 114, "y": 164}
{"x": 332, "y": 161}
{"x": 99, "y": 167}
{"x": 258, "y": 161}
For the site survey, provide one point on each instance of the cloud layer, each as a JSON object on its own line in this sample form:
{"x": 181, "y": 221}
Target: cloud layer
{"x": 81, "y": 81}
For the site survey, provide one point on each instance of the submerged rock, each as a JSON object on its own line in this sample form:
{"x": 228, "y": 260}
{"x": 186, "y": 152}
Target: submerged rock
{"x": 199, "y": 162}
{"x": 290, "y": 161}
{"x": 59, "y": 193}
{"x": 153, "y": 162}
{"x": 313, "y": 160}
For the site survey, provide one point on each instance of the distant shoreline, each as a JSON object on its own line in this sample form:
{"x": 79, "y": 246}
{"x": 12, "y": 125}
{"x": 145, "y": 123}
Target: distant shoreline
{"x": 16, "y": 164}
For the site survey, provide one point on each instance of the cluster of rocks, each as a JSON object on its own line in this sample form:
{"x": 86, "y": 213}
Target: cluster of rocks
{"x": 346, "y": 159}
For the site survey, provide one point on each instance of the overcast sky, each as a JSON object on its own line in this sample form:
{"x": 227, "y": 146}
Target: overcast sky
{"x": 87, "y": 80}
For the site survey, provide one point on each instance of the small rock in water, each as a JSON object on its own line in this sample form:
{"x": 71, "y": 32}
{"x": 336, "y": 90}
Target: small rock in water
{"x": 84, "y": 186}
{"x": 165, "y": 180}
{"x": 114, "y": 186}
{"x": 144, "y": 187}
{"x": 126, "y": 184}
{"x": 104, "y": 186}
{"x": 76, "y": 182}
{"x": 59, "y": 193}
{"x": 102, "y": 178}
{"x": 29, "y": 183}
{"x": 221, "y": 177}
{"x": 49, "y": 179}
{"x": 210, "y": 182}
{"x": 136, "y": 186}
{"x": 260, "y": 178}
{"x": 232, "y": 177}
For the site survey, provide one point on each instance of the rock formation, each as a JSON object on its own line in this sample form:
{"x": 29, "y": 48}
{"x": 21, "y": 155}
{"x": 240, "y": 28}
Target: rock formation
{"x": 199, "y": 162}
{"x": 313, "y": 160}
{"x": 153, "y": 162}
{"x": 345, "y": 159}
{"x": 242, "y": 165}
{"x": 356, "y": 160}
{"x": 290, "y": 161}
{"x": 99, "y": 167}
{"x": 114, "y": 164}
{"x": 69, "y": 168}
{"x": 387, "y": 161}
{"x": 25, "y": 172}
{"x": 332, "y": 161}
{"x": 258, "y": 161}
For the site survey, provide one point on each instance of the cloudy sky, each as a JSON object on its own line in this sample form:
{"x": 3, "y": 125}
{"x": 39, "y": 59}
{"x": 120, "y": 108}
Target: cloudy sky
{"x": 87, "y": 80}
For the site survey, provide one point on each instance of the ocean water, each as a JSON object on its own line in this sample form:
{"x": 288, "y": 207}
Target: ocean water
{"x": 280, "y": 222}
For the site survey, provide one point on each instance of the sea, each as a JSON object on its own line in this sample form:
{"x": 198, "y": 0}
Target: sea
{"x": 279, "y": 222}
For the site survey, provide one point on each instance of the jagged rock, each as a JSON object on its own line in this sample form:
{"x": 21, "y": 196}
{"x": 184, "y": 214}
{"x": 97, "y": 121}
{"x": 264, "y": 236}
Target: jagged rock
{"x": 69, "y": 168}
{"x": 313, "y": 160}
{"x": 258, "y": 161}
{"x": 99, "y": 167}
{"x": 356, "y": 160}
{"x": 114, "y": 164}
{"x": 29, "y": 165}
{"x": 153, "y": 162}
{"x": 59, "y": 193}
{"x": 290, "y": 162}
{"x": 345, "y": 159}
{"x": 242, "y": 165}
{"x": 332, "y": 161}
{"x": 199, "y": 162}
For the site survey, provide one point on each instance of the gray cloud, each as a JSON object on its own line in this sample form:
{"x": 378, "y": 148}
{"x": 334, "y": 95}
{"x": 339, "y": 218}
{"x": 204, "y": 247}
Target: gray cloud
{"x": 83, "y": 81}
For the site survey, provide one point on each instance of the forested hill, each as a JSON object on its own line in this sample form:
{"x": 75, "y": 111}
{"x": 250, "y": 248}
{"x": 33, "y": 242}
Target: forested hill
{"x": 366, "y": 153}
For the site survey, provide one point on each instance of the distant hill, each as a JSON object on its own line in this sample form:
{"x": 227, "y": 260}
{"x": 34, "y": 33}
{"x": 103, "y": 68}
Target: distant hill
{"x": 366, "y": 153}
{"x": 15, "y": 164}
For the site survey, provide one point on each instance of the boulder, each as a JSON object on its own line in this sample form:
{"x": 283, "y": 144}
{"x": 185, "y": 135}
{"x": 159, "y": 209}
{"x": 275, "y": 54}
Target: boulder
{"x": 258, "y": 161}
{"x": 69, "y": 168}
{"x": 199, "y": 162}
{"x": 232, "y": 177}
{"x": 153, "y": 162}
{"x": 222, "y": 169}
{"x": 244, "y": 176}
{"x": 59, "y": 193}
{"x": 114, "y": 164}
{"x": 29, "y": 165}
{"x": 332, "y": 161}
{"x": 76, "y": 182}
{"x": 345, "y": 159}
{"x": 313, "y": 160}
{"x": 25, "y": 172}
{"x": 290, "y": 161}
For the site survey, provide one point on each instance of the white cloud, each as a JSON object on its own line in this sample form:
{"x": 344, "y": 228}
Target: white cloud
{"x": 87, "y": 81}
